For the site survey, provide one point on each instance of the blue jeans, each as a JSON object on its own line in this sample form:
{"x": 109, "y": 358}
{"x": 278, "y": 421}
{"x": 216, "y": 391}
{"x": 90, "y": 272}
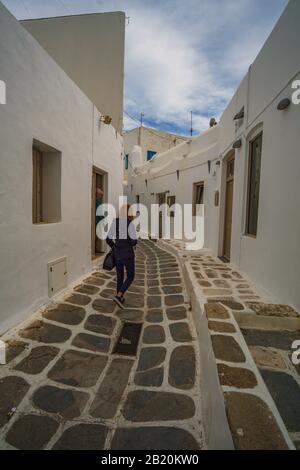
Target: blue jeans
{"x": 129, "y": 265}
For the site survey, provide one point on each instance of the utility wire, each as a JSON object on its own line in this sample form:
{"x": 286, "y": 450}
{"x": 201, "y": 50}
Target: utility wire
{"x": 132, "y": 118}
{"x": 65, "y": 6}
{"x": 151, "y": 131}
{"x": 26, "y": 8}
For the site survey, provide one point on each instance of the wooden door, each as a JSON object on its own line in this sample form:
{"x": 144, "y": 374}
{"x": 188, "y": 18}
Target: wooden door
{"x": 98, "y": 246}
{"x": 37, "y": 189}
{"x": 228, "y": 208}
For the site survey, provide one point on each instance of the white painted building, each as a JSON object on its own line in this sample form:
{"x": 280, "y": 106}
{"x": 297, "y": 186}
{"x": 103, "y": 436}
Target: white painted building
{"x": 55, "y": 152}
{"x": 149, "y": 142}
{"x": 251, "y": 193}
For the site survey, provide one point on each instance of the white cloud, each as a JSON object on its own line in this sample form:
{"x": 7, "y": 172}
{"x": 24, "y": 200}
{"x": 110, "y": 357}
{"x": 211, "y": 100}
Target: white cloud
{"x": 180, "y": 55}
{"x": 166, "y": 78}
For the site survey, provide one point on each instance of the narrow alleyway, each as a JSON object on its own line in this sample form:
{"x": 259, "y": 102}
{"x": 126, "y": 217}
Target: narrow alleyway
{"x": 66, "y": 387}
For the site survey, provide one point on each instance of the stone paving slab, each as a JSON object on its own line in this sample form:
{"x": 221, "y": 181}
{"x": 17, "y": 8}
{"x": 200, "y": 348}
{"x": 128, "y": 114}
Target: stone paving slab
{"x": 109, "y": 395}
{"x": 12, "y": 391}
{"x": 14, "y": 349}
{"x": 176, "y": 313}
{"x": 174, "y": 300}
{"x": 131, "y": 315}
{"x": 37, "y": 360}
{"x": 154, "y": 301}
{"x": 286, "y": 394}
{"x": 221, "y": 327}
{"x": 236, "y": 377}
{"x": 266, "y": 357}
{"x": 135, "y": 301}
{"x": 104, "y": 306}
{"x": 101, "y": 324}
{"x": 180, "y": 332}
{"x": 227, "y": 349}
{"x": 216, "y": 311}
{"x": 154, "y": 335}
{"x": 252, "y": 423}
{"x": 78, "y": 299}
{"x": 182, "y": 368}
{"x": 68, "y": 314}
{"x": 276, "y": 339}
{"x": 82, "y": 437}
{"x": 151, "y": 358}
{"x": 154, "y": 438}
{"x": 92, "y": 343}
{"x": 150, "y": 378}
{"x": 87, "y": 289}
{"x": 273, "y": 310}
{"x": 45, "y": 333}
{"x": 66, "y": 403}
{"x": 78, "y": 369}
{"x": 155, "y": 316}
{"x": 31, "y": 432}
{"x": 158, "y": 406}
{"x": 94, "y": 281}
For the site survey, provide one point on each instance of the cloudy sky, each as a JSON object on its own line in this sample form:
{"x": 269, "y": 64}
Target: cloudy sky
{"x": 181, "y": 55}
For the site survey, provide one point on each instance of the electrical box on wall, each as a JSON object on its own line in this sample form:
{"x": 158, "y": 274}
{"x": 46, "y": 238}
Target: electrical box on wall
{"x": 57, "y": 276}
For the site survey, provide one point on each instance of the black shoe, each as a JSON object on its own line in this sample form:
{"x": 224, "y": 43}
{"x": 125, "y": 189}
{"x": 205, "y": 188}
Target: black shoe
{"x": 119, "y": 302}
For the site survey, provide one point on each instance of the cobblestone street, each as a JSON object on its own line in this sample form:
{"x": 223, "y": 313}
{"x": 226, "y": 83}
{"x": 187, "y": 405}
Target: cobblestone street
{"x": 83, "y": 374}
{"x": 66, "y": 387}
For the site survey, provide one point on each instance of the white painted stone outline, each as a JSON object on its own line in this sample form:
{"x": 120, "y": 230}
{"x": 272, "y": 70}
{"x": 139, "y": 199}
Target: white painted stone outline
{"x": 190, "y": 425}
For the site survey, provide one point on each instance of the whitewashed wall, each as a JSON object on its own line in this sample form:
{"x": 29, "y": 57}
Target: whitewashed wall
{"x": 44, "y": 104}
{"x": 190, "y": 158}
{"x": 151, "y": 139}
{"x": 272, "y": 258}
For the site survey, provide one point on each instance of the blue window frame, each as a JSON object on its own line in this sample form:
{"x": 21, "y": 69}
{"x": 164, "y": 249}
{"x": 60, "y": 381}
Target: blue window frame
{"x": 126, "y": 162}
{"x": 150, "y": 154}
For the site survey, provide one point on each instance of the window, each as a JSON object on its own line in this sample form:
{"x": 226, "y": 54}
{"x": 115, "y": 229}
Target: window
{"x": 126, "y": 162}
{"x": 150, "y": 154}
{"x": 171, "y": 201}
{"x": 46, "y": 184}
{"x": 198, "y": 197}
{"x": 254, "y": 184}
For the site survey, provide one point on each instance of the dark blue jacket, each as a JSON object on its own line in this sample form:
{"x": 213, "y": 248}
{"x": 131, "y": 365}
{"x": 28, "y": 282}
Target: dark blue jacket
{"x": 122, "y": 239}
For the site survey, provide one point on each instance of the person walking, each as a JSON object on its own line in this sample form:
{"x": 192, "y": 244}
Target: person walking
{"x": 122, "y": 239}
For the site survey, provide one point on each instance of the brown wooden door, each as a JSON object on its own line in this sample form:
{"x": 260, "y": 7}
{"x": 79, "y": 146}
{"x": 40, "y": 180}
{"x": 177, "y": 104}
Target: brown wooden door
{"x": 98, "y": 246}
{"x": 228, "y": 208}
{"x": 37, "y": 189}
